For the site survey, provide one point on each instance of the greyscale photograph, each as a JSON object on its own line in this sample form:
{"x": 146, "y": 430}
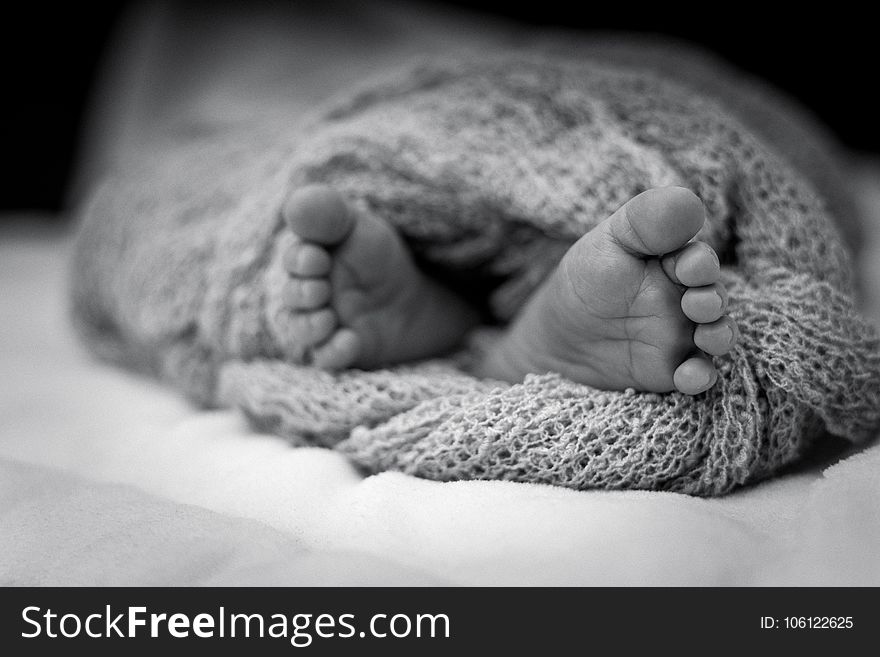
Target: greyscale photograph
{"x": 437, "y": 294}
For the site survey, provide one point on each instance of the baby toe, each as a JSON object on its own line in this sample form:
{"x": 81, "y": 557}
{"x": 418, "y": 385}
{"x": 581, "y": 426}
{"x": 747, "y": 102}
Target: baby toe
{"x": 716, "y": 338}
{"x": 307, "y": 260}
{"x": 339, "y": 352}
{"x": 318, "y": 213}
{"x": 306, "y": 293}
{"x": 694, "y": 265}
{"x": 313, "y": 328}
{"x": 657, "y": 221}
{"x": 695, "y": 375}
{"x": 704, "y": 304}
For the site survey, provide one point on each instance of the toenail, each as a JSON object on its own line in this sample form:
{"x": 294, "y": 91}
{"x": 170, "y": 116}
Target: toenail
{"x": 720, "y": 301}
{"x": 703, "y": 380}
{"x": 715, "y": 256}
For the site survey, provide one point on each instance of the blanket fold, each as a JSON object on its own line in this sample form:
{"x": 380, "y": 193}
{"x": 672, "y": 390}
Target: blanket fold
{"x": 493, "y": 166}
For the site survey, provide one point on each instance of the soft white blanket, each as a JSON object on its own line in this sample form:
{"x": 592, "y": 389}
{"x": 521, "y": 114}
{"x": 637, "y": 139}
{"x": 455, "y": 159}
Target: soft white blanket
{"x": 110, "y": 479}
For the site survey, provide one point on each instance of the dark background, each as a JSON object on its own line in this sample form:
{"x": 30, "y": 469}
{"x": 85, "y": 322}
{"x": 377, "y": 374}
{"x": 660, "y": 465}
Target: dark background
{"x": 49, "y": 54}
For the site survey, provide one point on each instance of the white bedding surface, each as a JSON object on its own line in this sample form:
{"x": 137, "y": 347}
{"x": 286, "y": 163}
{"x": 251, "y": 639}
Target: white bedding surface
{"x": 109, "y": 479}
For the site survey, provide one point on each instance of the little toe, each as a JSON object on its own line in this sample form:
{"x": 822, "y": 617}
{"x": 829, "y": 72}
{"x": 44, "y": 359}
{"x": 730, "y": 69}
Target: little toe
{"x": 704, "y": 304}
{"x": 694, "y": 265}
{"x": 307, "y": 260}
{"x": 716, "y": 338}
{"x": 695, "y": 375}
{"x": 339, "y": 352}
{"x": 312, "y": 328}
{"x": 306, "y": 293}
{"x": 318, "y": 213}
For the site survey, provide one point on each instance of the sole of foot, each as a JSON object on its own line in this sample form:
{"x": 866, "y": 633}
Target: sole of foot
{"x": 635, "y": 303}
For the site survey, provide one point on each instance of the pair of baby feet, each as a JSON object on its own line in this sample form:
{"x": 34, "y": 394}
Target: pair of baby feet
{"x": 634, "y": 303}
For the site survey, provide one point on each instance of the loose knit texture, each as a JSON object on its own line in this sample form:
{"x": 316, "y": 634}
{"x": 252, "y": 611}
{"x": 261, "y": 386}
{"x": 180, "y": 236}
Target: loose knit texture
{"x": 490, "y": 169}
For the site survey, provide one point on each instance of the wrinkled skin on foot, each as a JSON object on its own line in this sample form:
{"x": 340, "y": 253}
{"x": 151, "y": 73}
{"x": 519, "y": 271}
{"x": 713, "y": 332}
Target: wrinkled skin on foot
{"x": 635, "y": 303}
{"x": 357, "y": 297}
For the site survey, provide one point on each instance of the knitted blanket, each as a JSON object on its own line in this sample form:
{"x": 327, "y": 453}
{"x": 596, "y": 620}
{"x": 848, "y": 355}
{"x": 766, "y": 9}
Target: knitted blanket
{"x": 491, "y": 168}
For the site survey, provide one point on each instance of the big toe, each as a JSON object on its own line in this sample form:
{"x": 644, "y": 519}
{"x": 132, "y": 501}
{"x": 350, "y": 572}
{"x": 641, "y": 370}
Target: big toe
{"x": 318, "y": 214}
{"x": 657, "y": 221}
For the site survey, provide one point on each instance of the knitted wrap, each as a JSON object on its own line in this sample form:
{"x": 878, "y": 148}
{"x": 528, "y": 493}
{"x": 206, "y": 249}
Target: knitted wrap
{"x": 491, "y": 169}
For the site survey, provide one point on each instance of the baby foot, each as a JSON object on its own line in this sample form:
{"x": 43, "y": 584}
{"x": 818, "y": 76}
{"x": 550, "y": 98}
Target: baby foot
{"x": 633, "y": 304}
{"x": 358, "y": 298}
